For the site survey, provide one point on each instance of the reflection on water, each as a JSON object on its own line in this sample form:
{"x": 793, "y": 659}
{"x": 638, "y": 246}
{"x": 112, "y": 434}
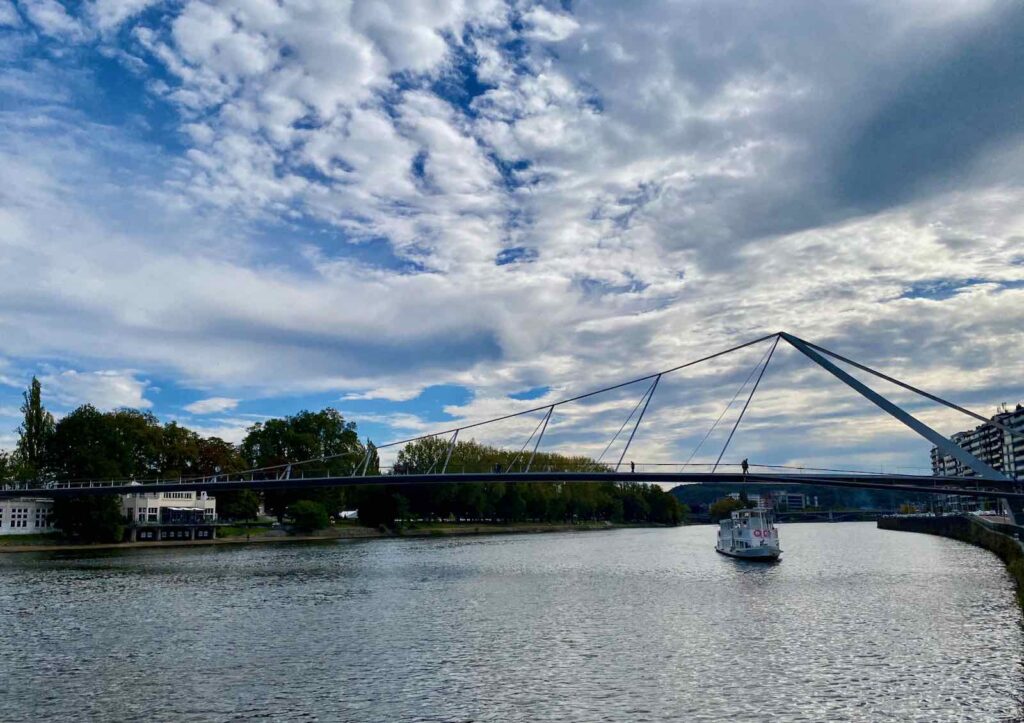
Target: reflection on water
{"x": 624, "y": 625}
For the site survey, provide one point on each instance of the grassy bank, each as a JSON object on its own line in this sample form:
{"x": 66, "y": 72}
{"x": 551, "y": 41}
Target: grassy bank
{"x": 28, "y": 540}
{"x": 243, "y": 534}
{"x": 970, "y": 530}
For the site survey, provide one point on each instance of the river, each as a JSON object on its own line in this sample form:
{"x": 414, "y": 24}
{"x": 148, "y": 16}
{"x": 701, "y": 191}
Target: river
{"x": 622, "y": 625}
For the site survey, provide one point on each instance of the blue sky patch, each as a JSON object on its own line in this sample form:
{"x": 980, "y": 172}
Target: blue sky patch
{"x": 515, "y": 255}
{"x": 534, "y": 393}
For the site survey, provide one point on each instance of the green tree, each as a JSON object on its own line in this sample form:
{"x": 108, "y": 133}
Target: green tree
{"x": 377, "y": 506}
{"x": 308, "y": 516}
{"x": 89, "y": 518}
{"x": 86, "y": 445}
{"x": 371, "y": 464}
{"x": 6, "y": 467}
{"x": 724, "y": 507}
{"x": 512, "y": 506}
{"x": 323, "y": 437}
{"x": 34, "y": 433}
{"x": 214, "y": 456}
{"x": 423, "y": 456}
{"x": 238, "y": 505}
{"x": 178, "y": 454}
{"x": 143, "y": 445}
{"x": 665, "y": 508}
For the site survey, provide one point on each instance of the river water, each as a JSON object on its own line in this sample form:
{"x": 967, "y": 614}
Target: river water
{"x": 620, "y": 625}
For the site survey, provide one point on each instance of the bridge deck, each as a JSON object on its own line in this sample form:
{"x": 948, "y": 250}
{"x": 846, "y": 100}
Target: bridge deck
{"x": 896, "y": 483}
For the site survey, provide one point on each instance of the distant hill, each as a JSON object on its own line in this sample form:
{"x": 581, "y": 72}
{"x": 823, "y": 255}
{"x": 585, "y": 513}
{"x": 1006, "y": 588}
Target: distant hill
{"x": 699, "y": 496}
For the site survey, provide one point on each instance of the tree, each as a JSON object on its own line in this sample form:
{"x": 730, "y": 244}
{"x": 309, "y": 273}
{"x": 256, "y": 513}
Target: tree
{"x": 512, "y": 506}
{"x": 89, "y": 518}
{"x": 145, "y": 447}
{"x": 6, "y": 467}
{"x": 724, "y": 507}
{"x": 371, "y": 465}
{"x": 377, "y": 506}
{"x": 238, "y": 505}
{"x": 86, "y": 445}
{"x": 323, "y": 437}
{"x": 665, "y": 508}
{"x": 423, "y": 456}
{"x": 308, "y": 516}
{"x": 178, "y": 451}
{"x": 215, "y": 456}
{"x": 34, "y": 433}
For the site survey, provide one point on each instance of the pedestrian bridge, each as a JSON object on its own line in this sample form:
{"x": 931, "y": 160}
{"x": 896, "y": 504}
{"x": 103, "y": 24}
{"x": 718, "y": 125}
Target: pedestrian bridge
{"x": 980, "y": 478}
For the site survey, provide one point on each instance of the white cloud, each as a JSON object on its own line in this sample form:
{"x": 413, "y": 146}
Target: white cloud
{"x": 672, "y": 180}
{"x": 391, "y": 394}
{"x": 51, "y": 18}
{"x": 103, "y": 389}
{"x": 546, "y": 25}
{"x": 211, "y": 405}
{"x": 9, "y": 14}
{"x": 108, "y": 14}
{"x": 230, "y": 429}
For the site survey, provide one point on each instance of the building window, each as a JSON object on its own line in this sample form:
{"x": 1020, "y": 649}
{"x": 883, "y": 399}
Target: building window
{"x": 42, "y": 517}
{"x": 142, "y": 514}
{"x": 153, "y": 512}
{"x": 19, "y": 517}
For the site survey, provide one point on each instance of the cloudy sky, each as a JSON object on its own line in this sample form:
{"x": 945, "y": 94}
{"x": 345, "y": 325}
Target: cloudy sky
{"x": 424, "y": 211}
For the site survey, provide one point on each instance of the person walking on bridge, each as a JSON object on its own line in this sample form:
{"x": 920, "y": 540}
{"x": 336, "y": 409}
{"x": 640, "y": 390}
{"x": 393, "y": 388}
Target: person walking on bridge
{"x": 745, "y": 466}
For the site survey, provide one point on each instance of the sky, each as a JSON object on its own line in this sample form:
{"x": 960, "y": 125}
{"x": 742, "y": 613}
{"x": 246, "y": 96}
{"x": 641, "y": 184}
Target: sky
{"x": 427, "y": 212}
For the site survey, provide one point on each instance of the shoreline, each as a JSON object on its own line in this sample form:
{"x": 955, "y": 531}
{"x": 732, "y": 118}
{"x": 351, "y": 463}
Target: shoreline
{"x": 994, "y": 537}
{"x": 334, "y": 535}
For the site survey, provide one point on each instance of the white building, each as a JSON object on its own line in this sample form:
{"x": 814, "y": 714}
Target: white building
{"x": 26, "y": 516}
{"x": 34, "y": 515}
{"x": 168, "y": 508}
{"x": 992, "y": 445}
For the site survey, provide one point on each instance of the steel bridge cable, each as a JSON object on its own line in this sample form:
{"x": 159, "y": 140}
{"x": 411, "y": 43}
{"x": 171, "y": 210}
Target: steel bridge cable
{"x": 747, "y": 404}
{"x": 634, "y": 410}
{"x": 727, "y": 407}
{"x": 525, "y": 444}
{"x": 650, "y": 395}
{"x": 551, "y": 410}
{"x": 1009, "y": 430}
{"x": 943, "y": 443}
{"x": 451, "y": 448}
{"x": 434, "y": 463}
{"x": 578, "y": 397}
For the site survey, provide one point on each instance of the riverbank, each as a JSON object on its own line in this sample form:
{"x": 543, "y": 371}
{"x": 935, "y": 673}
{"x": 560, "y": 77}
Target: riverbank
{"x": 972, "y": 531}
{"x": 47, "y": 543}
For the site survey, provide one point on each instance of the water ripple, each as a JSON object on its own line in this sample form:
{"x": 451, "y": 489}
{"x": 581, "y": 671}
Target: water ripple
{"x": 855, "y": 624}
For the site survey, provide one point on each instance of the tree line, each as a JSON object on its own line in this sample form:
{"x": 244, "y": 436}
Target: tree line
{"x": 88, "y": 444}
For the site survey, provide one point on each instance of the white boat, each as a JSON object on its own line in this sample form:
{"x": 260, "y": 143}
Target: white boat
{"x": 750, "y": 535}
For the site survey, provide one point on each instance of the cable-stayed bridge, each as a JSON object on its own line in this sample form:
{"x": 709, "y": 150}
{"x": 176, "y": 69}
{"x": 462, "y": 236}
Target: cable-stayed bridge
{"x": 980, "y": 479}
